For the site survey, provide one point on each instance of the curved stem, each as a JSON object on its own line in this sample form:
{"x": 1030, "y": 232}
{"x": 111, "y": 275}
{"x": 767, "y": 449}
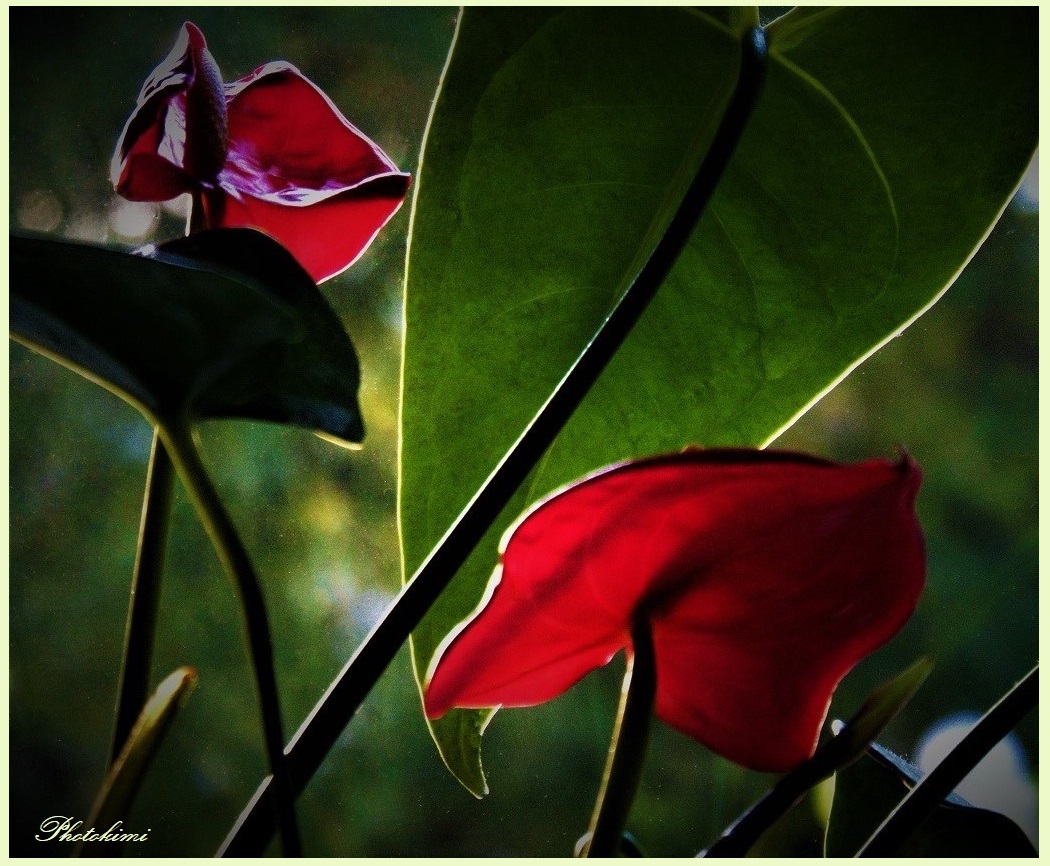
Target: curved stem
{"x": 145, "y": 594}
{"x": 623, "y": 770}
{"x": 924, "y": 797}
{"x": 141, "y": 628}
{"x": 788, "y": 790}
{"x": 348, "y": 690}
{"x": 235, "y": 560}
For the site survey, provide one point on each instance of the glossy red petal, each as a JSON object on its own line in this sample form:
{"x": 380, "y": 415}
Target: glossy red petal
{"x": 143, "y": 173}
{"x": 748, "y": 657}
{"x": 765, "y": 576}
{"x": 326, "y": 237}
{"x": 288, "y": 141}
{"x": 175, "y": 138}
{"x": 301, "y": 172}
{"x": 520, "y": 650}
{"x": 557, "y": 610}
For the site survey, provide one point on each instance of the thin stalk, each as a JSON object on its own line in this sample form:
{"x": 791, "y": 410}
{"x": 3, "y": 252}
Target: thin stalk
{"x": 787, "y": 791}
{"x": 145, "y": 595}
{"x": 141, "y": 628}
{"x": 627, "y": 749}
{"x": 340, "y": 702}
{"x": 942, "y": 780}
{"x": 235, "y": 560}
{"x": 140, "y": 633}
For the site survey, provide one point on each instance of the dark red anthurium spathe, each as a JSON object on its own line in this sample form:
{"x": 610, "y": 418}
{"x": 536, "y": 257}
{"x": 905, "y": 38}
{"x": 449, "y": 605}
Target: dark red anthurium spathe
{"x": 269, "y": 151}
{"x": 764, "y": 577}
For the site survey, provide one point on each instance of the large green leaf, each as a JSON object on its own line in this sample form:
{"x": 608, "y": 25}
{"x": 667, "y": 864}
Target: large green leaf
{"x": 886, "y": 143}
{"x": 547, "y": 122}
{"x": 221, "y": 324}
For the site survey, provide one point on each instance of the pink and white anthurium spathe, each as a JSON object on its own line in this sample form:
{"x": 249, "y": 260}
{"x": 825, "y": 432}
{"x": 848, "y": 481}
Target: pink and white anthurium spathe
{"x": 763, "y": 576}
{"x": 269, "y": 151}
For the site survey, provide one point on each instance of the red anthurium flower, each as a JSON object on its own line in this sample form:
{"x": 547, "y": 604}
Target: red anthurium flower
{"x": 764, "y": 576}
{"x": 268, "y": 151}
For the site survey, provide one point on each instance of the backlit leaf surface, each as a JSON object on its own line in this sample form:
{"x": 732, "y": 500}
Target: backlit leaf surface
{"x": 885, "y": 144}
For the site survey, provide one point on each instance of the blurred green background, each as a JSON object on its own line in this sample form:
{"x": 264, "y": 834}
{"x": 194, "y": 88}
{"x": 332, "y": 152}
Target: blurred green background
{"x": 958, "y": 390}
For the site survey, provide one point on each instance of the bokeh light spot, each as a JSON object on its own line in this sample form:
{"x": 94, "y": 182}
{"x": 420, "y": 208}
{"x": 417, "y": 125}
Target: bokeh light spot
{"x": 178, "y": 207}
{"x": 133, "y": 219}
{"x": 1000, "y": 782}
{"x": 40, "y": 211}
{"x": 87, "y": 226}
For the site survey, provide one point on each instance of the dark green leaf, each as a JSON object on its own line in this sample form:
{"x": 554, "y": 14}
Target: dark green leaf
{"x": 739, "y": 19}
{"x": 221, "y": 324}
{"x": 869, "y": 790}
{"x": 886, "y": 143}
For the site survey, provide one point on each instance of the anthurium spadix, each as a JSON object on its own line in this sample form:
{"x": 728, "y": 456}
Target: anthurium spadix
{"x": 269, "y": 151}
{"x": 764, "y": 577}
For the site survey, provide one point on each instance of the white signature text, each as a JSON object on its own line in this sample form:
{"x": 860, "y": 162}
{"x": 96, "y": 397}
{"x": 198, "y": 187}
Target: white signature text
{"x": 62, "y": 828}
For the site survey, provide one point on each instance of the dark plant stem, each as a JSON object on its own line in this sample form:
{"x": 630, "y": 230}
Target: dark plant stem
{"x": 925, "y": 796}
{"x": 140, "y": 632}
{"x": 788, "y": 790}
{"x": 627, "y": 748}
{"x": 337, "y": 706}
{"x": 145, "y": 594}
{"x": 235, "y": 560}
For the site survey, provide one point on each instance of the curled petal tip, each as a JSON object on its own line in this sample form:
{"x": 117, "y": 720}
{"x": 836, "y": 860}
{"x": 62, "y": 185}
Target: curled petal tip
{"x": 910, "y": 472}
{"x": 195, "y": 36}
{"x": 907, "y": 463}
